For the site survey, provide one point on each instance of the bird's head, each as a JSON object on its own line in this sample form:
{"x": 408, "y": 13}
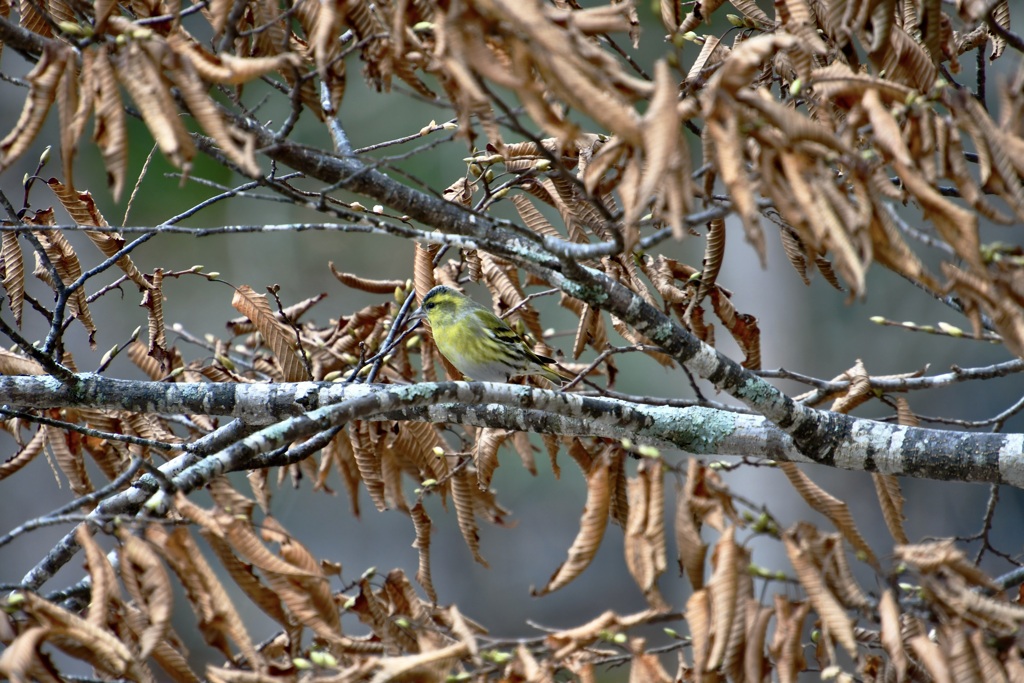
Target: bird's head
{"x": 441, "y": 305}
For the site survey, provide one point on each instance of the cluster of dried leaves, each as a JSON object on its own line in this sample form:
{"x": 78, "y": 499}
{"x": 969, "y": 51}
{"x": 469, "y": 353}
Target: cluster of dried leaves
{"x": 848, "y": 138}
{"x": 819, "y": 119}
{"x": 734, "y": 634}
{"x": 832, "y": 155}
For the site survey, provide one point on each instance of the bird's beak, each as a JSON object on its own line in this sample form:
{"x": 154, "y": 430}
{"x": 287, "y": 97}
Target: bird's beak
{"x": 418, "y": 314}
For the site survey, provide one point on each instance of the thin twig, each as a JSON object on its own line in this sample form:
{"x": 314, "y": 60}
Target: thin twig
{"x": 98, "y": 433}
{"x": 49, "y": 364}
{"x": 88, "y": 499}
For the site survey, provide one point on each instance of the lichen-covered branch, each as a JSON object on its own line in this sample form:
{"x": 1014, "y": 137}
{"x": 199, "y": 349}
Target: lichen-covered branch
{"x": 296, "y": 410}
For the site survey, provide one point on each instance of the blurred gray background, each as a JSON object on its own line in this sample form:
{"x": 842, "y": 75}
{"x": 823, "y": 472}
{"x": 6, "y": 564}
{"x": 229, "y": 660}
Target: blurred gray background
{"x": 812, "y": 330}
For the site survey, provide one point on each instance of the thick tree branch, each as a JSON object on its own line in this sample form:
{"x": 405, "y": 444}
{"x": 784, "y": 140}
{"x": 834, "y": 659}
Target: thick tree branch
{"x": 304, "y": 408}
{"x": 23, "y": 40}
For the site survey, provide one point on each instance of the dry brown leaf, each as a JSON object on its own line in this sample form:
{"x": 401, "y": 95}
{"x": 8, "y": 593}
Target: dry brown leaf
{"x": 589, "y": 328}
{"x": 43, "y": 81}
{"x": 701, "y": 12}
{"x": 238, "y": 146}
{"x": 375, "y": 608}
{"x": 955, "y": 598}
{"x": 226, "y": 68}
{"x": 13, "y": 274}
{"x": 887, "y": 487}
{"x": 532, "y": 218}
{"x": 32, "y": 19}
{"x": 604, "y": 170}
{"x": 787, "y": 642}
{"x": 1014, "y": 665}
{"x": 714, "y": 253}
{"x": 830, "y": 553}
{"x": 239, "y": 532}
{"x": 392, "y": 465}
{"x": 153, "y": 302}
{"x": 1003, "y": 148}
{"x": 670, "y": 14}
{"x": 307, "y": 594}
{"x": 991, "y": 669}
{"x": 21, "y": 660}
{"x": 504, "y": 286}
{"x": 956, "y": 225}
{"x": 692, "y": 549}
{"x": 933, "y": 659}
{"x": 422, "y": 524}
{"x": 366, "y": 284}
{"x": 592, "y": 527}
{"x": 575, "y": 79}
{"x": 521, "y": 443}
{"x": 645, "y": 531}
{"x": 146, "y": 581}
{"x": 13, "y": 364}
{"x": 957, "y": 169}
{"x": 64, "y": 259}
{"x": 1001, "y": 16}
{"x": 72, "y": 110}
{"x": 170, "y": 655}
{"x": 25, "y": 455}
{"x": 886, "y": 132}
{"x": 485, "y": 454}
{"x": 244, "y": 576}
{"x": 420, "y": 442}
{"x": 666, "y": 168}
{"x": 836, "y": 510}
{"x": 618, "y": 507}
{"x": 747, "y": 605}
{"x": 904, "y": 60}
{"x": 755, "y": 663}
{"x": 943, "y": 555}
{"x": 219, "y": 621}
{"x": 138, "y": 353}
{"x": 730, "y": 160}
{"x": 858, "y": 391}
{"x": 423, "y": 269}
{"x": 699, "y": 620}
{"x": 724, "y": 588}
{"x": 81, "y": 639}
{"x": 367, "y": 462}
{"x": 831, "y": 211}
{"x": 532, "y": 670}
{"x": 83, "y": 211}
{"x": 568, "y": 641}
{"x": 65, "y": 447}
{"x": 110, "y": 132}
{"x": 465, "y": 493}
{"x": 142, "y": 78}
{"x": 891, "y": 635}
{"x": 105, "y": 591}
{"x": 712, "y": 53}
{"x": 552, "y": 443}
{"x": 402, "y": 667}
{"x": 892, "y": 251}
{"x": 835, "y": 619}
{"x": 278, "y": 336}
{"x": 645, "y": 666}
{"x": 742, "y": 327}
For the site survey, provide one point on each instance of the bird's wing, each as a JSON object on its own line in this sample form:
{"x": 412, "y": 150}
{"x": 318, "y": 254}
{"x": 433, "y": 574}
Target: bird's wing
{"x": 499, "y": 330}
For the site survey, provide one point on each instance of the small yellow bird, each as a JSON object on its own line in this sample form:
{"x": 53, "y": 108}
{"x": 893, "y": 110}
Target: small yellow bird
{"x": 480, "y": 344}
